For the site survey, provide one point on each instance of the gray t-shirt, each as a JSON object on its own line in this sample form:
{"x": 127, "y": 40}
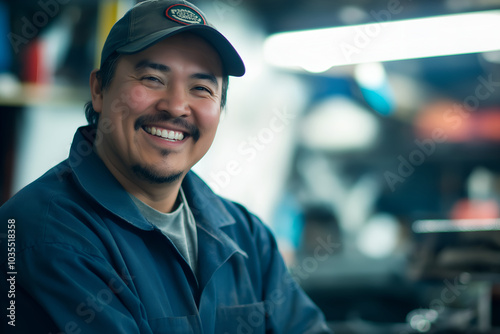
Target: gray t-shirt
{"x": 179, "y": 226}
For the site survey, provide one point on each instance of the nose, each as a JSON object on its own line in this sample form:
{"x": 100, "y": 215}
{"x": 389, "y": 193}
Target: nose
{"x": 174, "y": 101}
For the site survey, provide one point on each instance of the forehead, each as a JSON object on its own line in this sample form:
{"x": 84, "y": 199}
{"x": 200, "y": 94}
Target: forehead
{"x": 187, "y": 47}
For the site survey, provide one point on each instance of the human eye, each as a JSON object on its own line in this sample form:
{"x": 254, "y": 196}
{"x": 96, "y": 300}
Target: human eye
{"x": 151, "y": 80}
{"x": 203, "y": 89}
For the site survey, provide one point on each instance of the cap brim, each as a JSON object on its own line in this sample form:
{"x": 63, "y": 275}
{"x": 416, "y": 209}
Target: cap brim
{"x": 231, "y": 60}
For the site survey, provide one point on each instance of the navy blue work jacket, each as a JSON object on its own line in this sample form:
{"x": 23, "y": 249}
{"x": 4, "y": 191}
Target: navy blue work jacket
{"x": 86, "y": 261}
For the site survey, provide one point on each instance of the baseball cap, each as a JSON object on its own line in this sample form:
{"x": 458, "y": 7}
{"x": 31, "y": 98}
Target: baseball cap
{"x": 150, "y": 21}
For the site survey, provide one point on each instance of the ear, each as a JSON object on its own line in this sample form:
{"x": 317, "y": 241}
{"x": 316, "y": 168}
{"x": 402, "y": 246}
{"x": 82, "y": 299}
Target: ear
{"x": 96, "y": 91}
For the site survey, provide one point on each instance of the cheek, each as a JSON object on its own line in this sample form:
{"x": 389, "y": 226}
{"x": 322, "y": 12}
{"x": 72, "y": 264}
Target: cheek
{"x": 136, "y": 99}
{"x": 209, "y": 118}
{"x": 128, "y": 103}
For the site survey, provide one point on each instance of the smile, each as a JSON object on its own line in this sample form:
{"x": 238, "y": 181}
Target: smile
{"x": 164, "y": 133}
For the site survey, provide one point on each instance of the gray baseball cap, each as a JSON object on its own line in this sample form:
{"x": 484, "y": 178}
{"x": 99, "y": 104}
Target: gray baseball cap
{"x": 150, "y": 21}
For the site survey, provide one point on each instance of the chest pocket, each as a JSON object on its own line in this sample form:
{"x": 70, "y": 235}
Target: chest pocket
{"x": 176, "y": 325}
{"x": 250, "y": 318}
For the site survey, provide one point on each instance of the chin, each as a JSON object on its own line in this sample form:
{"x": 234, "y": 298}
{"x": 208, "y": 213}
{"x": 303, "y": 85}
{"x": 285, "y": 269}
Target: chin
{"x": 154, "y": 176}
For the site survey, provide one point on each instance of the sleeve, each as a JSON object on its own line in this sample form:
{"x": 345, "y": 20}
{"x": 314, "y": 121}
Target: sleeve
{"x": 61, "y": 289}
{"x": 290, "y": 309}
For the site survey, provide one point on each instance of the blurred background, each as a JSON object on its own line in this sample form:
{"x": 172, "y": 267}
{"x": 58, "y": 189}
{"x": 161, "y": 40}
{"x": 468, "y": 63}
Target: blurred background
{"x": 366, "y": 134}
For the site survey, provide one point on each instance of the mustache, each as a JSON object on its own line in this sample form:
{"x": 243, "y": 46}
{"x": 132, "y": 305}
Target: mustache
{"x": 192, "y": 129}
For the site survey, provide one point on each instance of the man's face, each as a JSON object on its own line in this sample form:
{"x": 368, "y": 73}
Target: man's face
{"x": 160, "y": 113}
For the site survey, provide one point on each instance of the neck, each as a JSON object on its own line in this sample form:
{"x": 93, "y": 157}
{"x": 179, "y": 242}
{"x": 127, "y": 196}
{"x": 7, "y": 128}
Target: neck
{"x": 161, "y": 197}
{"x": 163, "y": 200}
{"x": 164, "y": 205}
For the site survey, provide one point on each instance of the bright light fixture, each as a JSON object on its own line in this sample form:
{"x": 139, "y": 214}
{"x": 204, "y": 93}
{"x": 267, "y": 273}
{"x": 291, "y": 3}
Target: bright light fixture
{"x": 339, "y": 124}
{"x": 318, "y": 50}
{"x": 370, "y": 75}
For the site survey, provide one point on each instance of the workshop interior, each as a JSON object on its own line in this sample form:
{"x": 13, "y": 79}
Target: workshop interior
{"x": 365, "y": 134}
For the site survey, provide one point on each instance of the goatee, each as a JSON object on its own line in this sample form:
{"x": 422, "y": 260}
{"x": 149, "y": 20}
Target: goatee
{"x": 153, "y": 176}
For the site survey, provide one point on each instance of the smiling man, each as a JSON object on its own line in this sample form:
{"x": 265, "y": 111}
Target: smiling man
{"x": 122, "y": 237}
{"x": 169, "y": 119}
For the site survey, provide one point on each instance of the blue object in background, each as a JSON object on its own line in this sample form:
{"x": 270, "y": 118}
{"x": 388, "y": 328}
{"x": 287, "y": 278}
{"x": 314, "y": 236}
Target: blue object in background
{"x": 5, "y": 49}
{"x": 288, "y": 221}
{"x": 380, "y": 99}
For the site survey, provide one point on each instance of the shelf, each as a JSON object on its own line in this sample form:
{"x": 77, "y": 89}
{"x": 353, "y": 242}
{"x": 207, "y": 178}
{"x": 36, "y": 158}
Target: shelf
{"x": 36, "y": 95}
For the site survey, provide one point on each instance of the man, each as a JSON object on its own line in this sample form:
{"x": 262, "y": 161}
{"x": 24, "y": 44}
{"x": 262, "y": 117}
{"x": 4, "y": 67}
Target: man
{"x": 122, "y": 237}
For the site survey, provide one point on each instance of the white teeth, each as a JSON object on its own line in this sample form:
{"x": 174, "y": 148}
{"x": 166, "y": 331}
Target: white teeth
{"x": 170, "y": 135}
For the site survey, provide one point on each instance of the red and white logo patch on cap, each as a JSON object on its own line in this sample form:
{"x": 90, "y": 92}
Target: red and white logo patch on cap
{"x": 184, "y": 14}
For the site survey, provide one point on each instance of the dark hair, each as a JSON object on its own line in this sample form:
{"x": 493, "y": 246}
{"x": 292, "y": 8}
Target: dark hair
{"x": 105, "y": 75}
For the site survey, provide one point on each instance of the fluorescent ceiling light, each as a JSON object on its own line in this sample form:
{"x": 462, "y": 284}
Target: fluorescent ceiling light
{"x": 318, "y": 50}
{"x": 458, "y": 225}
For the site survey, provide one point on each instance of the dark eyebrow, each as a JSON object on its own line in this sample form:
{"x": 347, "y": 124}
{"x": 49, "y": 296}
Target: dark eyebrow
{"x": 155, "y": 66}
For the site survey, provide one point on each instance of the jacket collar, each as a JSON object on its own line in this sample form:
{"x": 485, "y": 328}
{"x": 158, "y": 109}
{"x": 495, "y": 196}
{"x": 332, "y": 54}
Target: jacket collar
{"x": 209, "y": 211}
{"x": 205, "y": 205}
{"x": 95, "y": 178}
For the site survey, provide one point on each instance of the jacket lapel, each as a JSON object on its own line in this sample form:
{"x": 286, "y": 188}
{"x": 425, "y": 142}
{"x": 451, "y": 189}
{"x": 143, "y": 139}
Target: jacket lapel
{"x": 215, "y": 247}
